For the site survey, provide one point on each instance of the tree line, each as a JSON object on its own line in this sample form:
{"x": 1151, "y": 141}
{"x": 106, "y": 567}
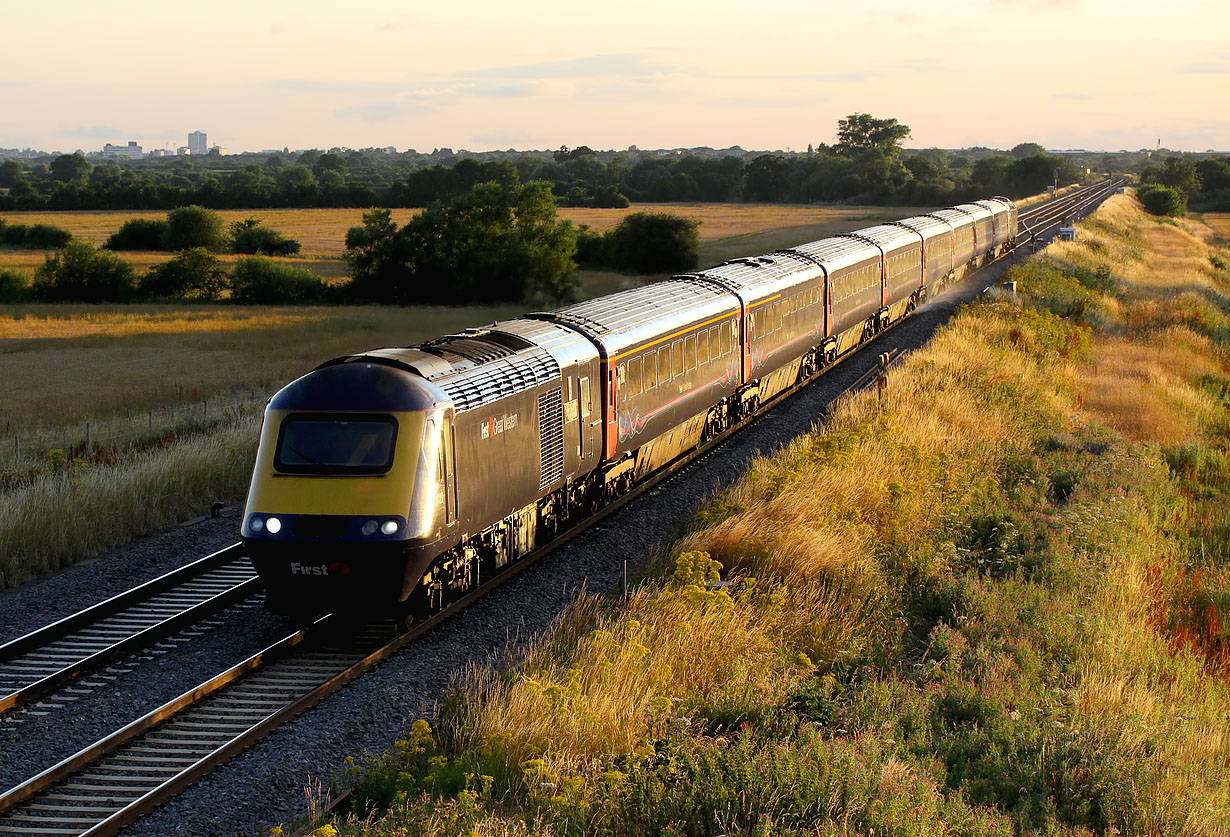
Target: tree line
{"x": 498, "y": 242}
{"x": 865, "y": 164}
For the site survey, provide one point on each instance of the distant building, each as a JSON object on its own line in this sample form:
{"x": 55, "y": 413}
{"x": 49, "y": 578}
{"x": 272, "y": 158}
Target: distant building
{"x": 181, "y": 151}
{"x": 130, "y": 151}
{"x": 197, "y": 144}
{"x": 217, "y": 149}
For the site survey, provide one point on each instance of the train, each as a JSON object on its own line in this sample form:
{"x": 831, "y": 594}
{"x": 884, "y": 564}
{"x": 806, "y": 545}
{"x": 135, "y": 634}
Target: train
{"x": 407, "y": 476}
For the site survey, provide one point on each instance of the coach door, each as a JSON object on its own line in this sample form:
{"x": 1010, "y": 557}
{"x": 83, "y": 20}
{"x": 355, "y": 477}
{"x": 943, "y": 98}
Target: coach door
{"x": 589, "y": 417}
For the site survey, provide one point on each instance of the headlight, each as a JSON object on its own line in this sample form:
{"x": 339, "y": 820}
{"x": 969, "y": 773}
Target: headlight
{"x": 255, "y": 524}
{"x": 370, "y": 527}
{"x": 273, "y": 525}
{"x": 390, "y": 527}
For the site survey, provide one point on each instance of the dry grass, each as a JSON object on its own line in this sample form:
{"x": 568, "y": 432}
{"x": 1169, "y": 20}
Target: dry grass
{"x": 84, "y": 510}
{"x": 66, "y": 364}
{"x": 1219, "y": 223}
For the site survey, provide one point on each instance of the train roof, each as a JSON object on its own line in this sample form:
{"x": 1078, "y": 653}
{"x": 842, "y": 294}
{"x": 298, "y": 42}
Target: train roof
{"x": 473, "y": 368}
{"x": 837, "y": 253}
{"x": 926, "y": 226}
{"x": 761, "y": 276}
{"x": 978, "y": 210}
{"x": 888, "y": 236}
{"x": 957, "y": 217}
{"x": 631, "y": 318}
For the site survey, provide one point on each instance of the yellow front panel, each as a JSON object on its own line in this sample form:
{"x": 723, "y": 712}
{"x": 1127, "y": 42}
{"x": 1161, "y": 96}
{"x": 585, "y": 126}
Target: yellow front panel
{"x": 382, "y": 495}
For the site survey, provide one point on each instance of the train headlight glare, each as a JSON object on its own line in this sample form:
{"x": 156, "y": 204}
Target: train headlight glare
{"x": 390, "y": 527}
{"x": 273, "y": 525}
{"x": 370, "y": 527}
{"x": 256, "y": 524}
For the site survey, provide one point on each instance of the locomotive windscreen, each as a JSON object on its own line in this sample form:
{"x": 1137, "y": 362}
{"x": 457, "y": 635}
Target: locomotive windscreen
{"x": 342, "y": 444}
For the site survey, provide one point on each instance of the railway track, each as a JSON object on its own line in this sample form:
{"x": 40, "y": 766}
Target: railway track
{"x": 43, "y": 661}
{"x": 118, "y": 779}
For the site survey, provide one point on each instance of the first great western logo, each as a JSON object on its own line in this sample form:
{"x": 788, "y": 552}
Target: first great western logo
{"x": 496, "y": 425}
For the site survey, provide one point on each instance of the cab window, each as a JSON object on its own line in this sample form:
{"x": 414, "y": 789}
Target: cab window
{"x": 335, "y": 444}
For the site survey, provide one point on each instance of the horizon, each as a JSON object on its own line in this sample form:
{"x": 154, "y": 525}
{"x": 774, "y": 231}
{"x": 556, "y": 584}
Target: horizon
{"x": 313, "y": 75}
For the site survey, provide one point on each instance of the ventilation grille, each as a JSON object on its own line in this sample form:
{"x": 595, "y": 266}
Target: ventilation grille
{"x": 499, "y": 379}
{"x": 551, "y": 425}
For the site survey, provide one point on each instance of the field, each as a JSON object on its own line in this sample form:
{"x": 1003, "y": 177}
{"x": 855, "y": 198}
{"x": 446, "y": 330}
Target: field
{"x": 1219, "y": 222}
{"x": 727, "y": 230}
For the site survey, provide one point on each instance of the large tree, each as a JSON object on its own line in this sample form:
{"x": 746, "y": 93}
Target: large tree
{"x": 862, "y": 131}
{"x": 494, "y": 243}
{"x": 70, "y": 168}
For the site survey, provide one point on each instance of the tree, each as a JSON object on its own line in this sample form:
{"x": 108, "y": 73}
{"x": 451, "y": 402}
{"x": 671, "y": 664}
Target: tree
{"x": 653, "y": 242}
{"x": 195, "y": 275}
{"x": 10, "y": 173}
{"x": 258, "y": 280}
{"x": 70, "y": 168}
{"x": 193, "y": 226}
{"x": 766, "y": 178}
{"x": 1027, "y": 149}
{"x": 14, "y": 286}
{"x": 862, "y": 131}
{"x": 138, "y": 234}
{"x": 1162, "y": 200}
{"x": 495, "y": 243}
{"x": 79, "y": 273}
{"x": 250, "y": 237}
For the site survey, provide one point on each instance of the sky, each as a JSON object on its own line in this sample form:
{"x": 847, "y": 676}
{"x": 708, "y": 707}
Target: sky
{"x": 489, "y": 74}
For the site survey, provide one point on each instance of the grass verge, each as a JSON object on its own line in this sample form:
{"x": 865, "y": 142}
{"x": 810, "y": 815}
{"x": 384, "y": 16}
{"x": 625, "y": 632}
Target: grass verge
{"x": 998, "y": 604}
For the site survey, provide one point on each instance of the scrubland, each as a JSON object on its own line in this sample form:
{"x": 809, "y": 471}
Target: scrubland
{"x": 996, "y": 603}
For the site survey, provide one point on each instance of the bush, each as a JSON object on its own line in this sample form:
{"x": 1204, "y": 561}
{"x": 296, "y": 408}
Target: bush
{"x": 259, "y": 280}
{"x": 1162, "y": 200}
{"x": 250, "y": 237}
{"x": 47, "y": 237}
{"x": 79, "y": 273}
{"x": 654, "y": 242}
{"x": 193, "y": 226}
{"x": 195, "y": 275}
{"x": 14, "y": 235}
{"x": 14, "y": 286}
{"x": 35, "y": 236}
{"x": 138, "y": 234}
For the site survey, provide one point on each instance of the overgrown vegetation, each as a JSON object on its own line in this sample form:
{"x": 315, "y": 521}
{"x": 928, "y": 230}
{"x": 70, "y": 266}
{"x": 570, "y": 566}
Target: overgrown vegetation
{"x": 997, "y": 603}
{"x": 495, "y": 243}
{"x": 33, "y": 236}
{"x": 644, "y": 242}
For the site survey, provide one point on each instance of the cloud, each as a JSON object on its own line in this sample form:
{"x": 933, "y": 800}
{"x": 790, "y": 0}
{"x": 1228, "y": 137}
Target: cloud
{"x": 384, "y": 111}
{"x": 110, "y": 134}
{"x": 1057, "y": 5}
{"x": 618, "y": 64}
{"x": 1079, "y": 97}
{"x": 315, "y": 87}
{"x": 1206, "y": 67}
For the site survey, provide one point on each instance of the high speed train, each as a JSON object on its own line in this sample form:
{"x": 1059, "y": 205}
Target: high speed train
{"x": 414, "y": 473}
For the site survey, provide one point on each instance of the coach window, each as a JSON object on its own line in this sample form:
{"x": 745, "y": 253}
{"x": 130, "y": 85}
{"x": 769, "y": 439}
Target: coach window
{"x": 664, "y": 364}
{"x": 651, "y": 370}
{"x": 676, "y": 358}
{"x": 585, "y": 405}
{"x": 702, "y": 347}
{"x": 634, "y": 377}
{"x": 689, "y": 352}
